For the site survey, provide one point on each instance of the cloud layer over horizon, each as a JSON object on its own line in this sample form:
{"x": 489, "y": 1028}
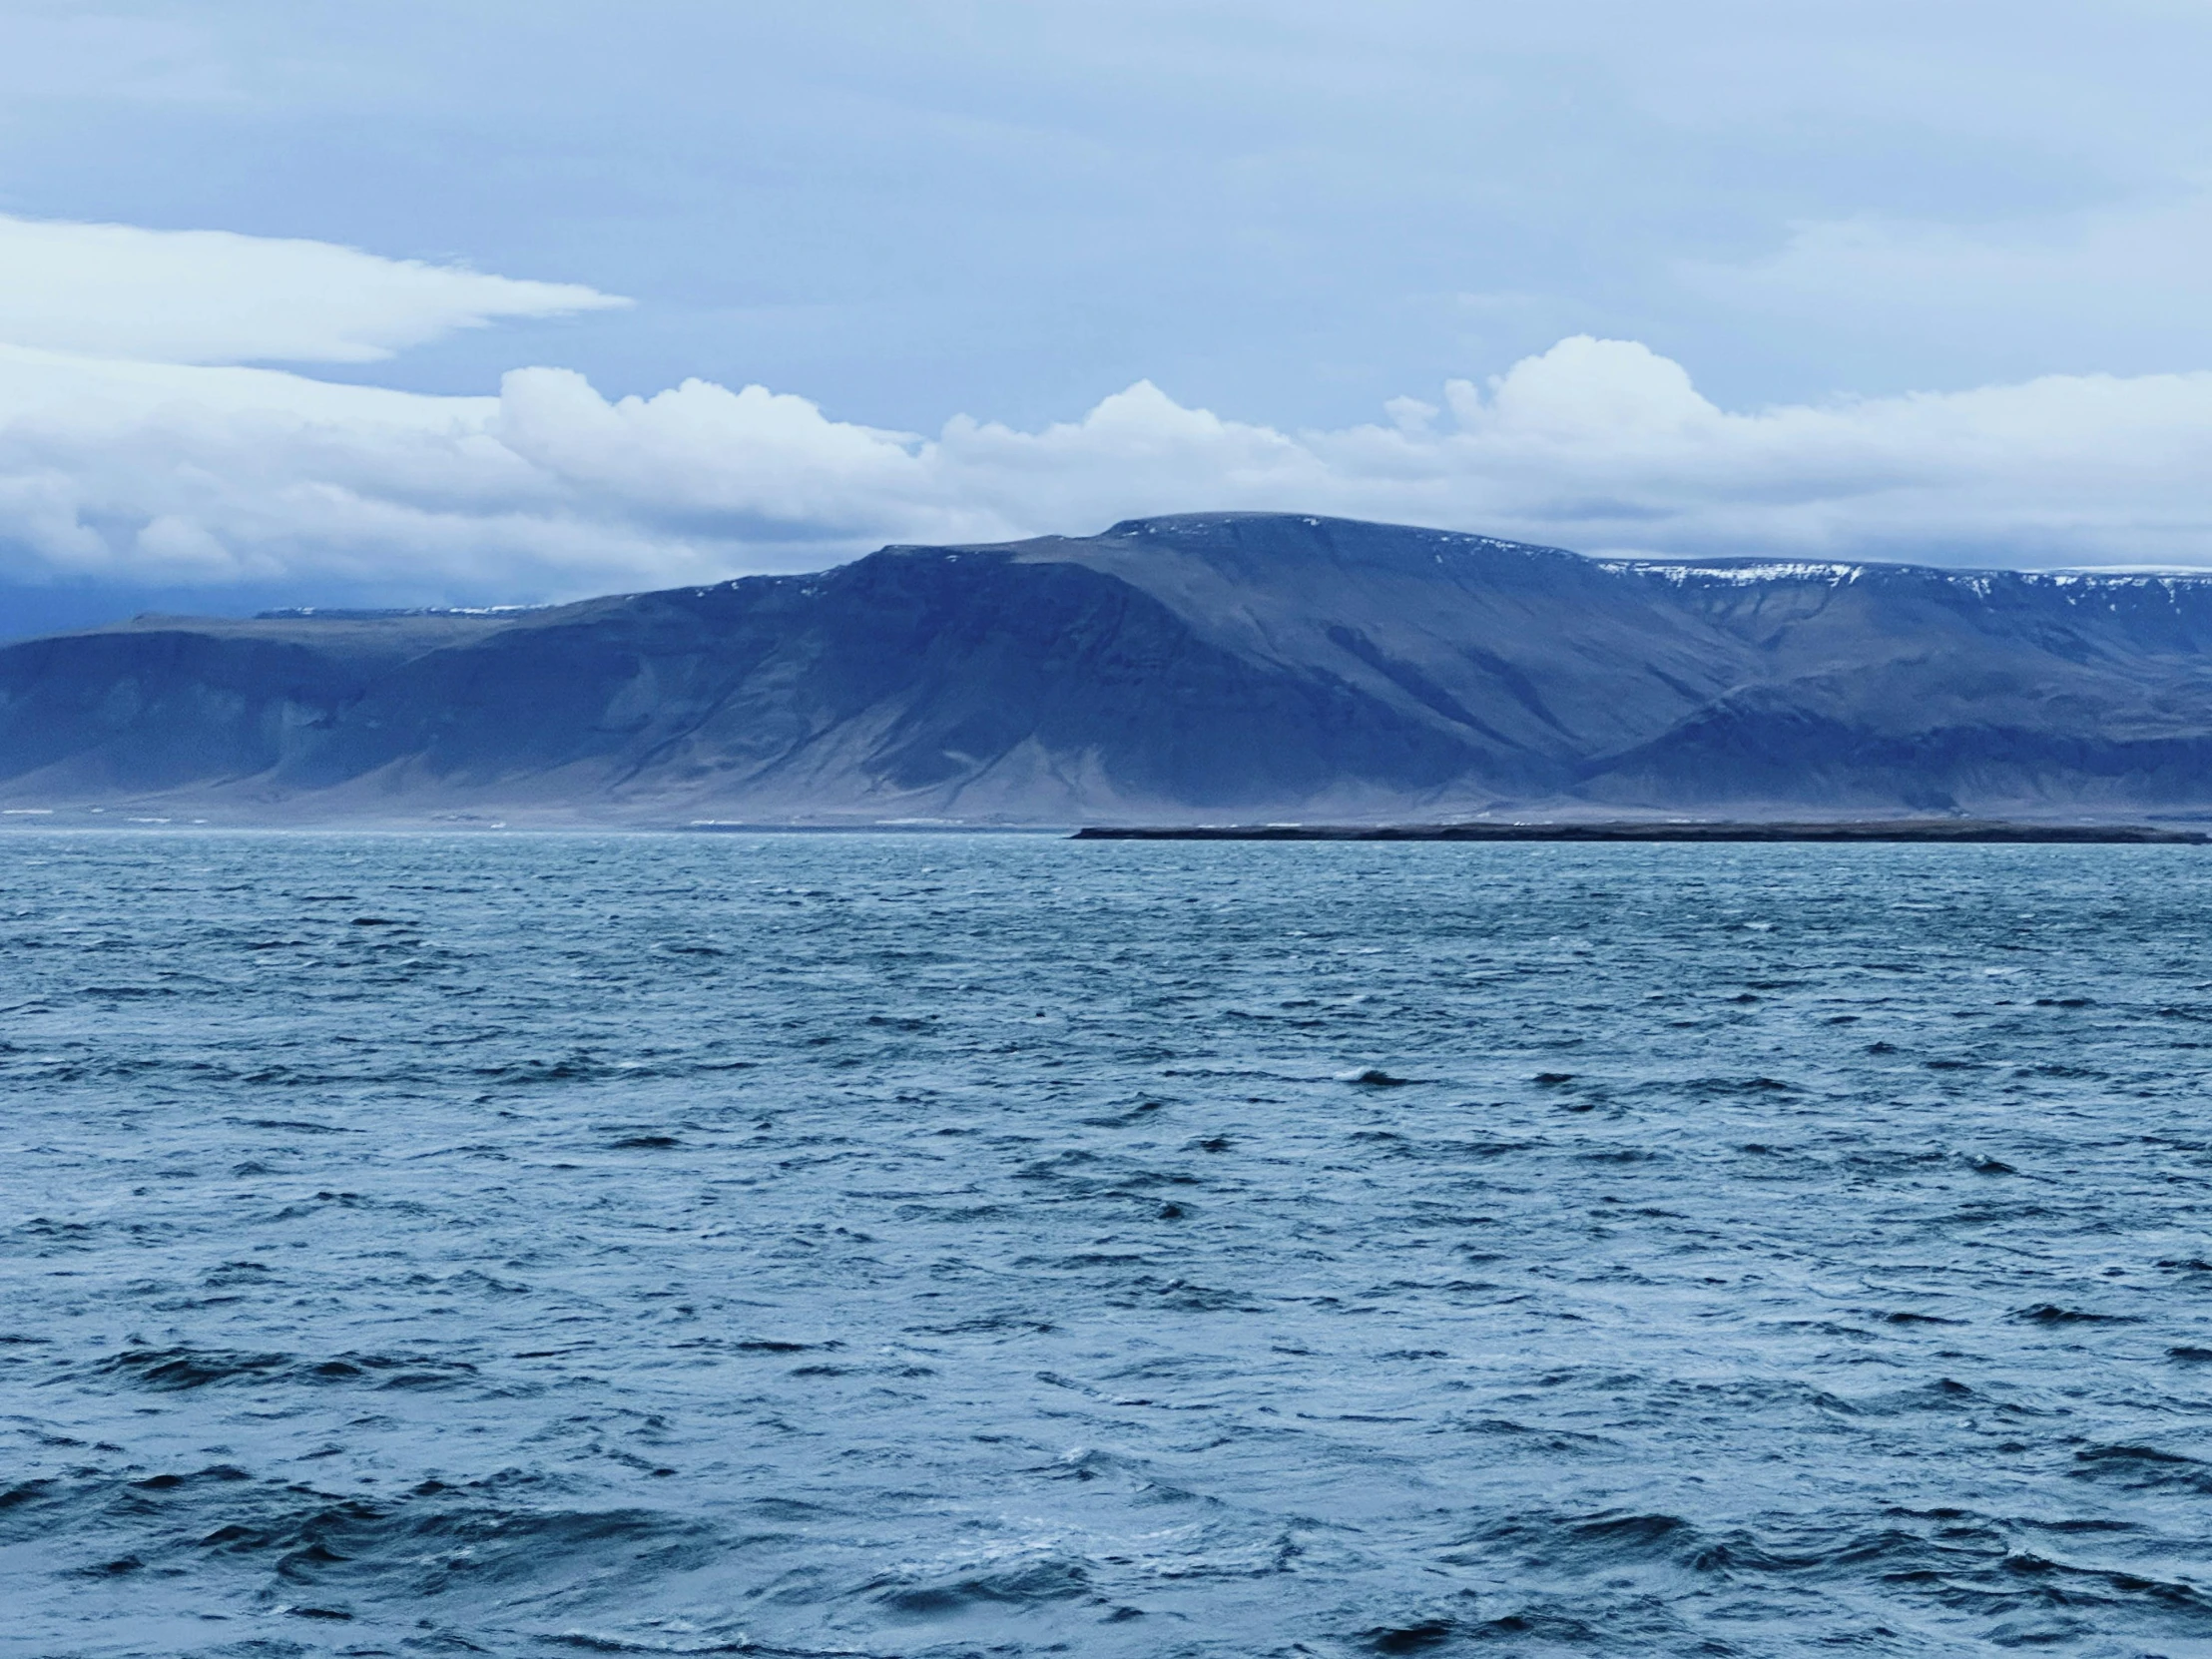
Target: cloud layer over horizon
{"x": 140, "y": 446}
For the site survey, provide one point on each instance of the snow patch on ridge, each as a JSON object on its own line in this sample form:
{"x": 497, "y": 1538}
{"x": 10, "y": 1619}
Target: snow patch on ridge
{"x": 1741, "y": 575}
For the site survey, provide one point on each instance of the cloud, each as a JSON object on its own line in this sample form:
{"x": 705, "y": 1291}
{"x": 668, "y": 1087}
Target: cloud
{"x": 2119, "y": 286}
{"x": 747, "y": 464}
{"x": 137, "y": 450}
{"x": 181, "y": 474}
{"x": 212, "y": 297}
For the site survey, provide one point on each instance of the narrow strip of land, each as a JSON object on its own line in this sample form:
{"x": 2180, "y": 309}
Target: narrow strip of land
{"x": 1891, "y": 830}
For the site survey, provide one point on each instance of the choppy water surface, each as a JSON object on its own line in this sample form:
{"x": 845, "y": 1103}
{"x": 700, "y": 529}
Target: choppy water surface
{"x": 944, "y": 1245}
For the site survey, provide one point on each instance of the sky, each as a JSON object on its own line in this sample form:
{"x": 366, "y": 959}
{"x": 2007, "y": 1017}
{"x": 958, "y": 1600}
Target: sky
{"x": 422, "y": 302}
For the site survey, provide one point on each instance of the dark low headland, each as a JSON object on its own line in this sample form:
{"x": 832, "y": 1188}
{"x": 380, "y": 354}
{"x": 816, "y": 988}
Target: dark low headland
{"x": 1895, "y": 829}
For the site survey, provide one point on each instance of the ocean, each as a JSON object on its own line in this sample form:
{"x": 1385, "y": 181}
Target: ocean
{"x": 932, "y": 1245}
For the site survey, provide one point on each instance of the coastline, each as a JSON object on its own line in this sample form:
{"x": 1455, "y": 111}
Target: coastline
{"x": 1966, "y": 831}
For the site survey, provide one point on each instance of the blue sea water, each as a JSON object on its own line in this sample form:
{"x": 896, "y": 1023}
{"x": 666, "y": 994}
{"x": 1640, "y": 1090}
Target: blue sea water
{"x": 947, "y": 1245}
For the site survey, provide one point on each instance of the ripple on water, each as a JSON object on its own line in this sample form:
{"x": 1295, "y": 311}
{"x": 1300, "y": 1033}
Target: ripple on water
{"x": 937, "y": 1246}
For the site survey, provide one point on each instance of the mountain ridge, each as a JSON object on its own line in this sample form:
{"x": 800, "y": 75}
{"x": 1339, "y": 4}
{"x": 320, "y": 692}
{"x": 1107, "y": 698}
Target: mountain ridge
{"x": 1192, "y": 665}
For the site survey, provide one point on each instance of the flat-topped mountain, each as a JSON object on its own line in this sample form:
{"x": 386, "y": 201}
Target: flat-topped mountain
{"x": 1208, "y": 666}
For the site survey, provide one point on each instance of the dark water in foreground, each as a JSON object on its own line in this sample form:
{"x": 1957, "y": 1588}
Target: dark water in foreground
{"x": 931, "y": 1246}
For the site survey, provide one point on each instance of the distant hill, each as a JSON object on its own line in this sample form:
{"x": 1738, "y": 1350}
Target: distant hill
{"x": 1207, "y": 666}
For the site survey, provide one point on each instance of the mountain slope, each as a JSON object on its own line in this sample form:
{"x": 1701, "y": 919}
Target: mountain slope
{"x": 1207, "y": 665}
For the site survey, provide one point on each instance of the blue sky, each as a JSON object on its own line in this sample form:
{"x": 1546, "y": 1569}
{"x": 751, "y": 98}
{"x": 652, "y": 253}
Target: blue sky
{"x": 1848, "y": 281}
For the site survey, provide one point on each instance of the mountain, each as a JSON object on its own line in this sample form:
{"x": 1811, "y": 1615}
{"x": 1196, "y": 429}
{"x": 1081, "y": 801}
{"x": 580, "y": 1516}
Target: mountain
{"x": 1203, "y": 666}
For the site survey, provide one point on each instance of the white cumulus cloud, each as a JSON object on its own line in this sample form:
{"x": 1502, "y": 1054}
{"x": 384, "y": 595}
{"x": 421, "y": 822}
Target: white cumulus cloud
{"x": 132, "y": 464}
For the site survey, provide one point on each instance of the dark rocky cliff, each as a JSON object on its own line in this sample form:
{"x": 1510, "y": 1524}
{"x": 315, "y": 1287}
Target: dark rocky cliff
{"x": 1200, "y": 665}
